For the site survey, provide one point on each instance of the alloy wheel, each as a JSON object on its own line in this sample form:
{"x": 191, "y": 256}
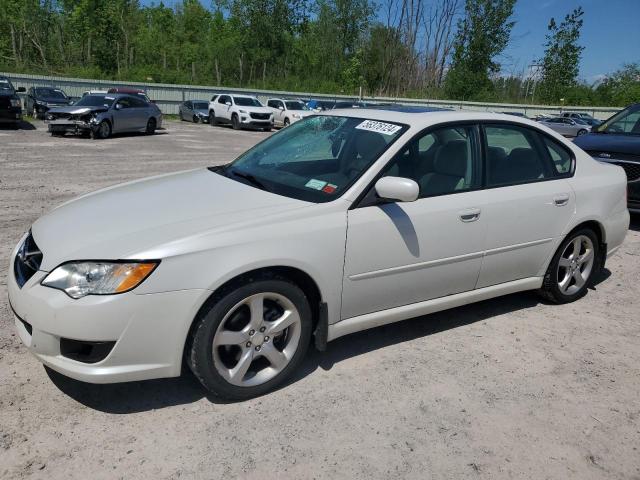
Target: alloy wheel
{"x": 256, "y": 339}
{"x": 575, "y": 265}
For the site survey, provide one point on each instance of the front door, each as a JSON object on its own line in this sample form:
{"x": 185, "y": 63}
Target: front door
{"x": 403, "y": 253}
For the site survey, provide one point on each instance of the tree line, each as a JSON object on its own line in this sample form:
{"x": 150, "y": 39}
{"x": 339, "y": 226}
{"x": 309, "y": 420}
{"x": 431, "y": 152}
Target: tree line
{"x": 399, "y": 48}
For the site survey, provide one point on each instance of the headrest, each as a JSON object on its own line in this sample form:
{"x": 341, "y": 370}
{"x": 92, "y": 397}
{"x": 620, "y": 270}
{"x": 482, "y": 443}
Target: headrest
{"x": 369, "y": 144}
{"x": 496, "y": 154}
{"x": 451, "y": 159}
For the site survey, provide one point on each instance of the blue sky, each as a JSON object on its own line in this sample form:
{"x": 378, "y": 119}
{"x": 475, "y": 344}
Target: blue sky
{"x": 610, "y": 34}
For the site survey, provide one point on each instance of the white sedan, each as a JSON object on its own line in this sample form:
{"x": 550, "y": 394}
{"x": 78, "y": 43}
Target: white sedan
{"x": 339, "y": 223}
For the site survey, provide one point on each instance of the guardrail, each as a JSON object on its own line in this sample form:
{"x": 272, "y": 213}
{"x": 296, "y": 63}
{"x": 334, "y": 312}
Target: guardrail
{"x": 169, "y": 96}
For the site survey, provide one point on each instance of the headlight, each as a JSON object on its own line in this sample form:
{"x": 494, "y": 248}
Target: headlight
{"x": 40, "y": 102}
{"x": 78, "y": 279}
{"x": 15, "y": 102}
{"x": 296, "y": 115}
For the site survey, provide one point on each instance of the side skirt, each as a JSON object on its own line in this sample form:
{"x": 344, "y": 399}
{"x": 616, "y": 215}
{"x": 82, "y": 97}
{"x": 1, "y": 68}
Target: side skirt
{"x": 376, "y": 319}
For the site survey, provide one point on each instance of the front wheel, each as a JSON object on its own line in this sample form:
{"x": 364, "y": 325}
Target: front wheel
{"x": 196, "y": 119}
{"x": 212, "y": 118}
{"x": 235, "y": 122}
{"x": 151, "y": 126}
{"x": 251, "y": 339}
{"x": 104, "y": 130}
{"x": 572, "y": 268}
{"x": 582, "y": 132}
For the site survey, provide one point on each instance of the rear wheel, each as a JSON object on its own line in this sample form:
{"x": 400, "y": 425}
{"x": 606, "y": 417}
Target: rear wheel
{"x": 572, "y": 268}
{"x": 151, "y": 126}
{"x": 582, "y": 132}
{"x": 235, "y": 122}
{"x": 251, "y": 339}
{"x": 196, "y": 119}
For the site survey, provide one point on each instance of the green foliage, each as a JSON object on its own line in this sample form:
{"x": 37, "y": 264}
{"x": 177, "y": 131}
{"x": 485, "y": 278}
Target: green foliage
{"x": 561, "y": 62}
{"x": 622, "y": 87}
{"x": 482, "y": 34}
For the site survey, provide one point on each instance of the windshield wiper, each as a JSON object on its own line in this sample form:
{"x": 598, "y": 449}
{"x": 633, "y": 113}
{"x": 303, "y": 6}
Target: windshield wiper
{"x": 250, "y": 178}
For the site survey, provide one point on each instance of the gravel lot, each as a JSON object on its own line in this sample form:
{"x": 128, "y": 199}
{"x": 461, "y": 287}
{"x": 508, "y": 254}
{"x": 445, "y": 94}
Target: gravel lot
{"x": 508, "y": 388}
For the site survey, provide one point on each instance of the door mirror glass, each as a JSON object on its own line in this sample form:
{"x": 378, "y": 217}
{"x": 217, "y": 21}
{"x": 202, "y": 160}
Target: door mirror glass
{"x": 397, "y": 189}
{"x": 228, "y": 104}
{"x": 118, "y": 106}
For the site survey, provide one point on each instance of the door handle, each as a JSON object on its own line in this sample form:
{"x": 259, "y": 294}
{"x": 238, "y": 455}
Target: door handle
{"x": 561, "y": 200}
{"x": 469, "y": 215}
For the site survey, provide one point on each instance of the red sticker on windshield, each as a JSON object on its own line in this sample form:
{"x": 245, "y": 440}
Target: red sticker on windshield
{"x": 329, "y": 188}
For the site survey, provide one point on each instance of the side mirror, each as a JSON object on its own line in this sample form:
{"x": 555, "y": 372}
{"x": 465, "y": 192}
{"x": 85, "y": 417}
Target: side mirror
{"x": 118, "y": 106}
{"x": 21, "y": 90}
{"x": 228, "y": 104}
{"x": 397, "y": 189}
{"x": 280, "y": 107}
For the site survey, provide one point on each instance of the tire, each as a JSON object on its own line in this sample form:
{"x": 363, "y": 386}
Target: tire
{"x": 287, "y": 122}
{"x": 585, "y": 266}
{"x": 267, "y": 361}
{"x": 582, "y": 132}
{"x": 181, "y": 117}
{"x": 235, "y": 122}
{"x": 151, "y": 126}
{"x": 34, "y": 113}
{"x": 196, "y": 119}
{"x": 103, "y": 131}
{"x": 212, "y": 118}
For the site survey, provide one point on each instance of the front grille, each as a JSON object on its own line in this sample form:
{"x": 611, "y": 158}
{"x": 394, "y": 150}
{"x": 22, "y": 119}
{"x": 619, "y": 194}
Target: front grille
{"x": 631, "y": 169}
{"x": 27, "y": 261}
{"x": 58, "y": 116}
{"x": 260, "y": 116}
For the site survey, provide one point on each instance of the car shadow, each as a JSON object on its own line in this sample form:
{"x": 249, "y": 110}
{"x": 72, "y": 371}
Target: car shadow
{"x": 133, "y": 397}
{"x": 22, "y": 125}
{"x": 635, "y": 222}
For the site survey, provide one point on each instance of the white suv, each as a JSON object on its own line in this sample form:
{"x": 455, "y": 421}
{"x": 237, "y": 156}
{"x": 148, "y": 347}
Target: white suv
{"x": 286, "y": 112}
{"x": 241, "y": 111}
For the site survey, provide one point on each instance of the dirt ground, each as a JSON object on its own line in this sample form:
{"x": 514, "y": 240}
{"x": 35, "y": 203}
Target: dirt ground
{"x": 507, "y": 388}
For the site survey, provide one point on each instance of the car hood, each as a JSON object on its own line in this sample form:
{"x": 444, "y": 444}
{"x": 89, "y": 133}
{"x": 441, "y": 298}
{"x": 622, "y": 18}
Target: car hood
{"x": 255, "y": 109}
{"x": 74, "y": 110}
{"x": 596, "y": 143}
{"x": 53, "y": 101}
{"x": 145, "y": 217}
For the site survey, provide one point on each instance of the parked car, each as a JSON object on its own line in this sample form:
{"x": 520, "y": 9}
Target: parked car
{"x": 320, "y": 105}
{"x": 94, "y": 92}
{"x": 585, "y": 117}
{"x": 39, "y": 100}
{"x": 617, "y": 141}
{"x": 516, "y": 114}
{"x": 195, "y": 111}
{"x": 10, "y": 105}
{"x": 569, "y": 127}
{"x": 286, "y": 112}
{"x": 233, "y": 269}
{"x": 131, "y": 91}
{"x": 241, "y": 111}
{"x": 102, "y": 115}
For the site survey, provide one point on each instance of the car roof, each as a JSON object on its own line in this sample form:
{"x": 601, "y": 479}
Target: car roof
{"x": 424, "y": 119}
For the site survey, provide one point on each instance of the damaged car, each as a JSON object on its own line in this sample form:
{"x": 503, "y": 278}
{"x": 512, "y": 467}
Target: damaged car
{"x": 100, "y": 116}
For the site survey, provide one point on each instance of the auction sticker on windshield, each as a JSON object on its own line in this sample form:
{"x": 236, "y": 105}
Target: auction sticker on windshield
{"x": 315, "y": 184}
{"x": 379, "y": 127}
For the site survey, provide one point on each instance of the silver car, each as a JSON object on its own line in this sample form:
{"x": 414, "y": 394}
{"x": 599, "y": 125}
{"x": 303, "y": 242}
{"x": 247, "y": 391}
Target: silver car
{"x": 569, "y": 127}
{"x": 102, "y": 115}
{"x": 195, "y": 111}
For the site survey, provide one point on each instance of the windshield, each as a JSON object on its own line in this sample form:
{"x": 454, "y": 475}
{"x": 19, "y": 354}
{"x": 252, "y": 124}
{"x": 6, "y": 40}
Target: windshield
{"x": 95, "y": 101}
{"x": 626, "y": 122}
{"x": 50, "y": 93}
{"x": 247, "y": 102}
{"x": 5, "y": 85}
{"x": 296, "y": 106}
{"x": 200, "y": 106}
{"x": 316, "y": 159}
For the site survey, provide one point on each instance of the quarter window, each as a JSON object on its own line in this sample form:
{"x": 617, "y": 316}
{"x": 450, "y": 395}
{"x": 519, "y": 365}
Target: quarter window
{"x": 514, "y": 155}
{"x": 441, "y": 162}
{"x": 559, "y": 155}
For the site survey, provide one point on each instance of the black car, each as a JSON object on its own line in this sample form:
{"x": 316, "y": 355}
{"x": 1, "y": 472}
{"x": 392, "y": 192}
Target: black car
{"x": 617, "y": 141}
{"x": 10, "y": 106}
{"x": 40, "y": 99}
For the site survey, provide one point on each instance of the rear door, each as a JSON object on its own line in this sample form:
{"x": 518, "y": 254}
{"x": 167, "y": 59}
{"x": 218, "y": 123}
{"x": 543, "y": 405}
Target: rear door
{"x": 123, "y": 115}
{"x": 141, "y": 113}
{"x": 529, "y": 201}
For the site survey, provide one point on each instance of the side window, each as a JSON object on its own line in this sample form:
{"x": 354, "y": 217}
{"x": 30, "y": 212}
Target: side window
{"x": 272, "y": 104}
{"x": 441, "y": 162}
{"x": 280, "y": 105}
{"x": 187, "y": 104}
{"x": 124, "y": 102}
{"x": 559, "y": 155}
{"x": 222, "y": 99}
{"x": 140, "y": 103}
{"x": 514, "y": 155}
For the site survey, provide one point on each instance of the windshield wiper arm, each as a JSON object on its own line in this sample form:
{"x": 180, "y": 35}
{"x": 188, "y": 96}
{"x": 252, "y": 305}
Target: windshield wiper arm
{"x": 250, "y": 178}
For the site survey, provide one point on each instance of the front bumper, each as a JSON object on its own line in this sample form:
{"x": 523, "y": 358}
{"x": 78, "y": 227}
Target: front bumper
{"x": 247, "y": 122}
{"x": 70, "y": 126}
{"x": 145, "y": 333}
{"x": 11, "y": 115}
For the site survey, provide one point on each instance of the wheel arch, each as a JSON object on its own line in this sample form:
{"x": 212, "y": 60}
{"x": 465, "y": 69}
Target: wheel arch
{"x": 295, "y": 275}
